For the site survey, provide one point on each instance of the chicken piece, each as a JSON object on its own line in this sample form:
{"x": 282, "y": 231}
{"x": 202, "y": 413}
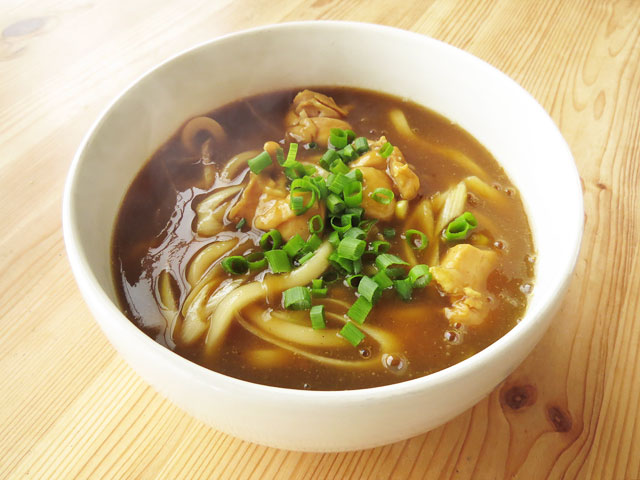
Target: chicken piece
{"x": 403, "y": 177}
{"x": 373, "y": 178}
{"x": 265, "y": 204}
{"x": 405, "y": 180}
{"x": 312, "y": 116}
{"x": 463, "y": 276}
{"x": 316, "y": 104}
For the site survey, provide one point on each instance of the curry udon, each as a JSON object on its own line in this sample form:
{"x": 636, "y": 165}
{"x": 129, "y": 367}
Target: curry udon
{"x": 336, "y": 240}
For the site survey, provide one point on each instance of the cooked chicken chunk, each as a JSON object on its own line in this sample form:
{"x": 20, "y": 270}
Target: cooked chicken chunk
{"x": 373, "y": 178}
{"x": 405, "y": 180}
{"x": 312, "y": 116}
{"x": 265, "y": 204}
{"x": 463, "y": 276}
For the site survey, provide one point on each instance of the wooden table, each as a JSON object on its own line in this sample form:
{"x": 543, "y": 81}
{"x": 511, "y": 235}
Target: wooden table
{"x": 70, "y": 407}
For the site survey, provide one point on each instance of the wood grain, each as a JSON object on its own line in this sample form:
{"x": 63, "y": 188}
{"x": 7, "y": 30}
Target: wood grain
{"x": 70, "y": 406}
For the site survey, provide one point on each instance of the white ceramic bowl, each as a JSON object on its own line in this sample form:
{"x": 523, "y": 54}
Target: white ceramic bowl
{"x": 493, "y": 108}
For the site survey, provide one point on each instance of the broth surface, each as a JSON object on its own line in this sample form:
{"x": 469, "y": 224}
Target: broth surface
{"x": 156, "y": 232}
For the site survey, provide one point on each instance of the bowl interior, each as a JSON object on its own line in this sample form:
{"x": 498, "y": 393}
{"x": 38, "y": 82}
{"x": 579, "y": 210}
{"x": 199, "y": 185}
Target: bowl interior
{"x": 501, "y": 115}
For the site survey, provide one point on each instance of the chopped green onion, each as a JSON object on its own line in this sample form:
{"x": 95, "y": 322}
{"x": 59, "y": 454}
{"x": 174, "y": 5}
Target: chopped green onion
{"x": 257, "y": 261}
{"x": 328, "y": 158}
{"x": 389, "y": 232}
{"x": 341, "y": 263}
{"x": 355, "y": 174}
{"x": 337, "y": 183}
{"x": 385, "y": 260}
{"x": 386, "y": 150}
{"x": 338, "y": 138}
{"x": 306, "y": 257}
{"x": 359, "y": 310}
{"x": 420, "y": 276}
{"x": 361, "y": 144}
{"x": 236, "y": 265}
{"x": 382, "y": 195}
{"x": 335, "y": 204}
{"x": 294, "y": 245}
{"x": 403, "y": 288}
{"x": 241, "y": 224}
{"x": 317, "y": 283}
{"x": 310, "y": 169}
{"x": 319, "y": 292}
{"x": 317, "y": 317}
{"x": 350, "y": 219}
{"x": 280, "y": 155}
{"x": 354, "y": 280}
{"x": 313, "y": 242}
{"x": 321, "y": 186}
{"x": 382, "y": 279}
{"x": 259, "y": 162}
{"x": 353, "y": 194}
{"x": 369, "y": 289}
{"x": 316, "y": 224}
{"x": 379, "y": 246}
{"x": 352, "y": 334}
{"x": 348, "y": 153}
{"x": 459, "y": 228}
{"x": 330, "y": 277}
{"x": 350, "y": 135}
{"x": 278, "y": 261}
{"x": 416, "y": 239}
{"x": 291, "y": 155}
{"x": 356, "y": 212}
{"x": 395, "y": 272}
{"x": 298, "y": 189}
{"x": 334, "y": 239}
{"x": 297, "y": 298}
{"x": 356, "y": 232}
{"x": 271, "y": 240}
{"x": 351, "y": 248}
{"x": 336, "y": 224}
{"x": 357, "y": 266}
{"x": 312, "y": 145}
{"x": 338, "y": 166}
{"x": 367, "y": 224}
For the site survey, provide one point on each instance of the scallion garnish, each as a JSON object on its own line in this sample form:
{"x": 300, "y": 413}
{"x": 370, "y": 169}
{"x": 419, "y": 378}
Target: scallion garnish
{"x": 299, "y": 189}
{"x": 317, "y": 317}
{"x": 280, "y": 156}
{"x": 351, "y": 135}
{"x": 348, "y": 153}
{"x": 369, "y": 289}
{"x": 359, "y": 310}
{"x": 361, "y": 144}
{"x": 294, "y": 245}
{"x": 403, "y": 288}
{"x": 337, "y": 183}
{"x": 259, "y": 162}
{"x": 386, "y": 260}
{"x": 353, "y": 280}
{"x": 313, "y": 242}
{"x": 328, "y": 158}
{"x": 291, "y": 155}
{"x": 382, "y": 195}
{"x": 379, "y": 246}
{"x": 271, "y": 240}
{"x": 297, "y": 298}
{"x": 355, "y": 174}
{"x": 338, "y": 138}
{"x": 420, "y": 276}
{"x": 278, "y": 261}
{"x": 386, "y": 150}
{"x": 257, "y": 261}
{"x": 389, "y": 232}
{"x": 335, "y": 204}
{"x": 334, "y": 239}
{"x": 241, "y": 224}
{"x": 337, "y": 225}
{"x": 459, "y": 228}
{"x": 353, "y": 194}
{"x": 351, "y": 248}
{"x": 416, "y": 239}
{"x": 316, "y": 224}
{"x": 382, "y": 279}
{"x": 306, "y": 257}
{"x": 236, "y": 265}
{"x": 352, "y": 334}
{"x": 338, "y": 166}
{"x": 356, "y": 232}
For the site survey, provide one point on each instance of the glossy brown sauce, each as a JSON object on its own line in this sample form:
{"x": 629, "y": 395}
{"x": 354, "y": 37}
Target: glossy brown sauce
{"x": 155, "y": 231}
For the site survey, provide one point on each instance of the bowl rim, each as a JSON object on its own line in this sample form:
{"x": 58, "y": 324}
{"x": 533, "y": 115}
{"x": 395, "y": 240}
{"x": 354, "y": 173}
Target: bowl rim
{"x": 97, "y": 299}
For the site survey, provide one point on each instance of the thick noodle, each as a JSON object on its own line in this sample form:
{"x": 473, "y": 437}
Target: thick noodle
{"x": 245, "y": 295}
